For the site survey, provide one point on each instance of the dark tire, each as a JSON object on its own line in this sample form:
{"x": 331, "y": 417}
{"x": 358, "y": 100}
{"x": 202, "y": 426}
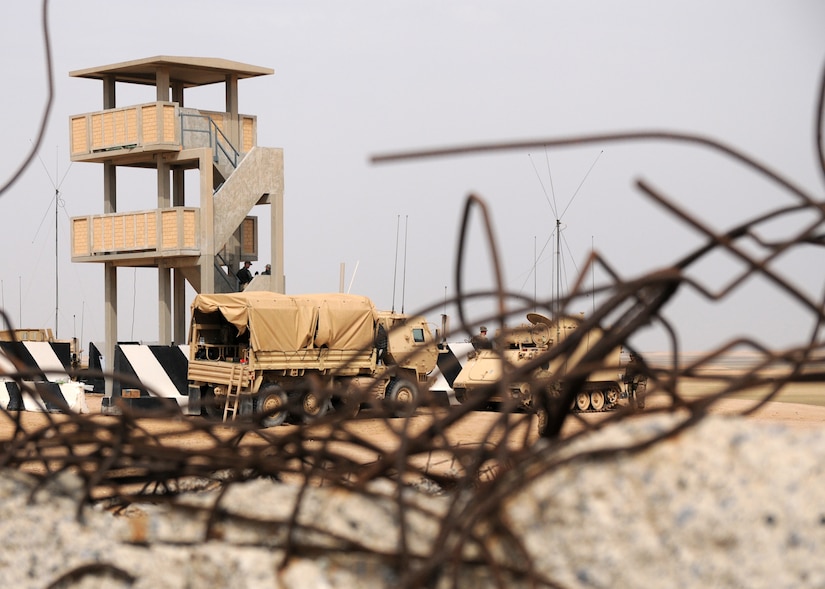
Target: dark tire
{"x": 209, "y": 403}
{"x": 641, "y": 393}
{"x": 272, "y": 405}
{"x": 347, "y": 407}
{"x": 541, "y": 421}
{"x": 612, "y": 398}
{"x": 402, "y": 397}
{"x": 313, "y": 406}
{"x": 460, "y": 395}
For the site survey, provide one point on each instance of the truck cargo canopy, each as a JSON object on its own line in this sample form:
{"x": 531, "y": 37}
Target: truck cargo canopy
{"x": 279, "y": 322}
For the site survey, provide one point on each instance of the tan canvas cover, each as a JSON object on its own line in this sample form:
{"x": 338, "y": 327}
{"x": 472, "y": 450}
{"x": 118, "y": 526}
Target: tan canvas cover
{"x": 280, "y": 322}
{"x": 345, "y": 322}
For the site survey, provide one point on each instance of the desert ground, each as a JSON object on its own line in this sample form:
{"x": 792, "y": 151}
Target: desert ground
{"x": 798, "y": 405}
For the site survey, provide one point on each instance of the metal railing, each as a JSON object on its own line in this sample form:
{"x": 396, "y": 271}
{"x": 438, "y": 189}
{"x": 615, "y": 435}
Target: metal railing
{"x": 217, "y": 141}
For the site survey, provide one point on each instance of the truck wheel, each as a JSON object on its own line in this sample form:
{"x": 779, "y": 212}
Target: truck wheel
{"x": 272, "y": 405}
{"x": 402, "y": 397}
{"x": 612, "y": 397}
{"x": 460, "y": 394}
{"x": 313, "y": 406}
{"x": 641, "y": 393}
{"x": 347, "y": 407}
{"x": 209, "y": 403}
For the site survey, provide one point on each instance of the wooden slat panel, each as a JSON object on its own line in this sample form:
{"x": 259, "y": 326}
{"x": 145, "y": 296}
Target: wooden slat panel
{"x": 169, "y": 229}
{"x": 248, "y": 134}
{"x": 169, "y": 125}
{"x": 80, "y": 142}
{"x": 151, "y": 230}
{"x": 150, "y": 124}
{"x": 189, "y": 229}
{"x": 80, "y": 237}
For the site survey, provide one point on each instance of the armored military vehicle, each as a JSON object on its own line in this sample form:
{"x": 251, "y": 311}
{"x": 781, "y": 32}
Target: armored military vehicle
{"x": 526, "y": 344}
{"x": 275, "y": 355}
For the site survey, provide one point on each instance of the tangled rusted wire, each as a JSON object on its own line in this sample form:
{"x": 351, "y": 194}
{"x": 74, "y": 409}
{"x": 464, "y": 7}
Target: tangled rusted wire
{"x": 140, "y": 456}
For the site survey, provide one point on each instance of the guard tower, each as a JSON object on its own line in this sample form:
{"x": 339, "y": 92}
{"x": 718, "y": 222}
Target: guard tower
{"x": 202, "y": 245}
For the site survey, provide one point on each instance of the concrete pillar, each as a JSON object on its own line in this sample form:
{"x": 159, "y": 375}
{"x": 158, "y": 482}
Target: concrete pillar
{"x": 232, "y": 94}
{"x": 109, "y": 92}
{"x": 180, "y": 312}
{"x": 164, "y": 272}
{"x": 109, "y": 278}
{"x": 164, "y": 305}
{"x": 110, "y": 320}
{"x": 178, "y": 188}
{"x": 162, "y": 84}
{"x": 232, "y": 108}
{"x": 177, "y": 93}
{"x": 276, "y": 204}
{"x": 207, "y": 259}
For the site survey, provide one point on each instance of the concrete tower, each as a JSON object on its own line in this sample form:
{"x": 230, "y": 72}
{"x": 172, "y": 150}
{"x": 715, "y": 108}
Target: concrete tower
{"x": 202, "y": 245}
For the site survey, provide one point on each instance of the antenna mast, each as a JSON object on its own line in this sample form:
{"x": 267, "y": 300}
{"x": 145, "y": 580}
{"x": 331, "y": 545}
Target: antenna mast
{"x": 404, "y": 280}
{"x": 395, "y": 267}
{"x": 56, "y": 264}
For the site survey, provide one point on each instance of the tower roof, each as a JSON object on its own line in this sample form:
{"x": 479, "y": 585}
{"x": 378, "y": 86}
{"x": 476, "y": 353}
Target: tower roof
{"x": 190, "y": 71}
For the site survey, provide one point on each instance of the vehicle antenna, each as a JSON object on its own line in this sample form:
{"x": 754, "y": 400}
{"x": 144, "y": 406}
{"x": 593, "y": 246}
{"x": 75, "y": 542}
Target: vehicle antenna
{"x": 354, "y": 272}
{"x": 592, "y": 278}
{"x": 58, "y": 202}
{"x": 395, "y": 266}
{"x": 535, "y": 276}
{"x": 404, "y": 276}
{"x": 556, "y": 295}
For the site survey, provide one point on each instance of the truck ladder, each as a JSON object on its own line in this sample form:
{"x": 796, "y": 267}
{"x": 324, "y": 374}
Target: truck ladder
{"x": 233, "y": 393}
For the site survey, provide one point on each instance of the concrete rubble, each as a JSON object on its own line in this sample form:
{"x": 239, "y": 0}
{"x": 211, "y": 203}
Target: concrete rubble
{"x": 727, "y": 503}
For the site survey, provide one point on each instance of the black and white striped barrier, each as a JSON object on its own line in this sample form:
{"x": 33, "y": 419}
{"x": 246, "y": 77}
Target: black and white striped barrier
{"x": 53, "y": 391}
{"x": 161, "y": 369}
{"x": 450, "y": 360}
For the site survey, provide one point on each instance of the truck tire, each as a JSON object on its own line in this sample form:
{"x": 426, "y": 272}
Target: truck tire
{"x": 347, "y": 407}
{"x": 402, "y": 397}
{"x": 313, "y": 406}
{"x": 460, "y": 394}
{"x": 209, "y": 403}
{"x": 272, "y": 405}
{"x": 641, "y": 393}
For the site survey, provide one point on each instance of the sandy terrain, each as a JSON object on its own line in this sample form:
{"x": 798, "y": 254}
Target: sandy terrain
{"x": 478, "y": 428}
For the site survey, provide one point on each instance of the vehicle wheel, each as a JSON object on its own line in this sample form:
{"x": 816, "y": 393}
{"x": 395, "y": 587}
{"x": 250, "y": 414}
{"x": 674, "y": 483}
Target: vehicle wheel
{"x": 313, "y": 406}
{"x": 460, "y": 394}
{"x": 582, "y": 401}
{"x": 402, "y": 397}
{"x": 597, "y": 400}
{"x": 347, "y": 407}
{"x": 541, "y": 420}
{"x": 641, "y": 392}
{"x": 612, "y": 397}
{"x": 209, "y": 403}
{"x": 272, "y": 405}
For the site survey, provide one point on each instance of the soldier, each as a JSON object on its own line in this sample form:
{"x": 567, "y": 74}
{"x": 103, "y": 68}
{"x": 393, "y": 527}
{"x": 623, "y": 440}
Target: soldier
{"x": 480, "y": 341}
{"x": 381, "y": 343}
{"x": 636, "y": 381}
{"x": 244, "y": 275}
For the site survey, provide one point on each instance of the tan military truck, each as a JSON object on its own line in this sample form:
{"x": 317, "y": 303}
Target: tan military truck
{"x": 518, "y": 346}
{"x": 273, "y": 355}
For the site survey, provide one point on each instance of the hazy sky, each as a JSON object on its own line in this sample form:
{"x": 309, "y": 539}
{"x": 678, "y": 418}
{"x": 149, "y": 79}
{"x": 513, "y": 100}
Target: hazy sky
{"x": 356, "y": 79}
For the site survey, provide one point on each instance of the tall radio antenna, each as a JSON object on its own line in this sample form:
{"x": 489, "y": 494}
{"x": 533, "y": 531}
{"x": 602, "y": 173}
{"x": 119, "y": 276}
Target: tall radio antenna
{"x": 395, "y": 266}
{"x": 404, "y": 279}
{"x": 58, "y": 202}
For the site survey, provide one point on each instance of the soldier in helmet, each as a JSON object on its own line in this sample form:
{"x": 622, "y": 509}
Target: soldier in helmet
{"x": 480, "y": 341}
